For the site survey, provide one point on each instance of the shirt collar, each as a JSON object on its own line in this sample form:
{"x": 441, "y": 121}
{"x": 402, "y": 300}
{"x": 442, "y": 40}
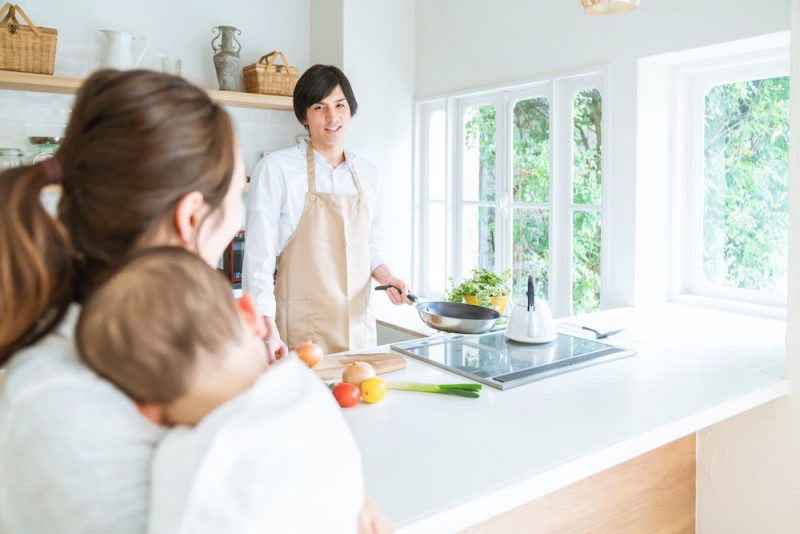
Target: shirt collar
{"x": 302, "y": 146}
{"x": 66, "y": 327}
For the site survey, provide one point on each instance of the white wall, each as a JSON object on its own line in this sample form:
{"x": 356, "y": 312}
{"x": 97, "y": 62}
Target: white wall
{"x": 373, "y": 43}
{"x": 463, "y": 44}
{"x": 327, "y": 25}
{"x": 178, "y": 28}
{"x": 378, "y": 56}
{"x": 748, "y": 470}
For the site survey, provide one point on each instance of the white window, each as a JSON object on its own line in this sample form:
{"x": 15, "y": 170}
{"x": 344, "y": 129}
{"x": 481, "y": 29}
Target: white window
{"x": 737, "y": 187}
{"x": 511, "y": 179}
{"x": 432, "y": 212}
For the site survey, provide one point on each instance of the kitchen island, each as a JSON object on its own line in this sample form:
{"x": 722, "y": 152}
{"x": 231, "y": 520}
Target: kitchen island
{"x": 436, "y": 463}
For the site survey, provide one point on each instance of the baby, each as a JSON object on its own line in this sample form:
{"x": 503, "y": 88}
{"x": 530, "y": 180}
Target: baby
{"x": 249, "y": 450}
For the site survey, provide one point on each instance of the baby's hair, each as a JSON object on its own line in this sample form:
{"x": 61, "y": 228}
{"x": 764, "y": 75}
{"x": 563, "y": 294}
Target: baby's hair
{"x": 145, "y": 328}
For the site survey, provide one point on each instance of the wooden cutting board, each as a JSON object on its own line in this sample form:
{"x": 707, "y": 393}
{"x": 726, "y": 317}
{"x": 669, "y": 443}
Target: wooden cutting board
{"x": 332, "y": 365}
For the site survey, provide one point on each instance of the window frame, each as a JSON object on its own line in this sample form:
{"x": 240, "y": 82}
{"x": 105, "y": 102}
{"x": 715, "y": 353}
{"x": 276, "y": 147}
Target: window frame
{"x": 424, "y": 112}
{"x": 462, "y": 105}
{"x": 560, "y": 92}
{"x": 698, "y": 81}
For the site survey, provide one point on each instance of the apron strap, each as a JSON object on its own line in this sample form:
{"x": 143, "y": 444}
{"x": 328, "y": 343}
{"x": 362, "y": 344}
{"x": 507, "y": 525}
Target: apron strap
{"x": 312, "y": 176}
{"x": 356, "y": 180}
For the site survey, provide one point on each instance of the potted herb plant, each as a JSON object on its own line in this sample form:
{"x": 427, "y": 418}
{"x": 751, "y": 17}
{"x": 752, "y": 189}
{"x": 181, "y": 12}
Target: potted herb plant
{"x": 483, "y": 288}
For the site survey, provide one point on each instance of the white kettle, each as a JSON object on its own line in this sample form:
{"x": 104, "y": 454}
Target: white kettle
{"x": 531, "y": 320}
{"x": 119, "y": 50}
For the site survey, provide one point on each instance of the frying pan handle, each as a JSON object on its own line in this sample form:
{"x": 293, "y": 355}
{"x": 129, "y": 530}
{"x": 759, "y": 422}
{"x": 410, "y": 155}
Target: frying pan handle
{"x": 411, "y": 296}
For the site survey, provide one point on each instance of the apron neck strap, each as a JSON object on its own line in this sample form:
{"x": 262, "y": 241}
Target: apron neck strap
{"x": 312, "y": 176}
{"x": 356, "y": 181}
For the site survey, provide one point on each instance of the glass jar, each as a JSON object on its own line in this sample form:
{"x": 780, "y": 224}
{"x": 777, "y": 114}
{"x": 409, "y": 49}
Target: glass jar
{"x": 10, "y": 158}
{"x": 45, "y": 147}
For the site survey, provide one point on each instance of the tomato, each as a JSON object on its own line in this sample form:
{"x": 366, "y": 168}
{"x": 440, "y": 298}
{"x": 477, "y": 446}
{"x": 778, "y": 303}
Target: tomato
{"x": 373, "y": 389}
{"x": 347, "y": 395}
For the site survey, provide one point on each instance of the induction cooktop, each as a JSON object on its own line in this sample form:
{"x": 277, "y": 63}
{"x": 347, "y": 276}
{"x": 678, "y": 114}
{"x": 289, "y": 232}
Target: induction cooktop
{"x": 496, "y": 361}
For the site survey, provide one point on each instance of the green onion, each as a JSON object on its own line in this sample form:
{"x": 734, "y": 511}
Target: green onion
{"x": 460, "y": 390}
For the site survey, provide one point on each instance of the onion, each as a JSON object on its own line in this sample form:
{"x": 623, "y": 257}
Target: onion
{"x": 357, "y": 372}
{"x": 308, "y": 352}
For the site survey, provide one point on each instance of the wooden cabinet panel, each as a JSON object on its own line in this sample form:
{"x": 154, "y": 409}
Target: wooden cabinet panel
{"x": 654, "y": 492}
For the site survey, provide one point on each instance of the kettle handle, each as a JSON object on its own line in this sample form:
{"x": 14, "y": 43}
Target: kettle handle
{"x": 530, "y": 293}
{"x": 141, "y": 54}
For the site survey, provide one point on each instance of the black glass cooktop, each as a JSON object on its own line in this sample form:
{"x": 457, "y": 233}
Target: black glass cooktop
{"x": 499, "y": 362}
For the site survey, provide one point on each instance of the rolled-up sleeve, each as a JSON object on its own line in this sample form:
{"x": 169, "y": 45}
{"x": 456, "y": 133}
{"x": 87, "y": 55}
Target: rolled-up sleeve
{"x": 265, "y": 197}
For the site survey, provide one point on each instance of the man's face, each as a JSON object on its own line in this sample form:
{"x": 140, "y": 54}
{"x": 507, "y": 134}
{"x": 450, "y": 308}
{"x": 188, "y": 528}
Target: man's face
{"x": 328, "y": 119}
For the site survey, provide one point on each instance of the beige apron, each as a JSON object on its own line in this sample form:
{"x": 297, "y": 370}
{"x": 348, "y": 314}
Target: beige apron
{"x": 322, "y": 289}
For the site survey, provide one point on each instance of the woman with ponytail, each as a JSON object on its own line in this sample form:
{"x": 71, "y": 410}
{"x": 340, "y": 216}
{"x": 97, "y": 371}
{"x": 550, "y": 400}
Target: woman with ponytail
{"x": 147, "y": 159}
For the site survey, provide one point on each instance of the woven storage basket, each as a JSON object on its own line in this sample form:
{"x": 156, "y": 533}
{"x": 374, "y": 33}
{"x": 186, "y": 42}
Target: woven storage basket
{"x": 269, "y": 78}
{"x": 23, "y": 48}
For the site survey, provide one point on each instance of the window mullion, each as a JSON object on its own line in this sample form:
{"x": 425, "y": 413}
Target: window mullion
{"x": 458, "y": 223}
{"x": 424, "y": 133}
{"x": 561, "y": 213}
{"x": 505, "y": 155}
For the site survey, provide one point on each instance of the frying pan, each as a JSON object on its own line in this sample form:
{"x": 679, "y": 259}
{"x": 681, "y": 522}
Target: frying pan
{"x": 453, "y": 316}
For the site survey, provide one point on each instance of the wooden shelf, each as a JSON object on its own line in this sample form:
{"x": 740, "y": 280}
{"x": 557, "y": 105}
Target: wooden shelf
{"x": 43, "y": 83}
{"x": 251, "y": 100}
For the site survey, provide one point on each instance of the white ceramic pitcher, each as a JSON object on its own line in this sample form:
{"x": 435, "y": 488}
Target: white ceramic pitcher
{"x": 119, "y": 50}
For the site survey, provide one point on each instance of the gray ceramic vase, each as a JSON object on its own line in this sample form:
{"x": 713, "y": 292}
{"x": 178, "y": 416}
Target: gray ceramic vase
{"x": 226, "y": 58}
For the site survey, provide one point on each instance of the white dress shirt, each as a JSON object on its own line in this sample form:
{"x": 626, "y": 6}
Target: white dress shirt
{"x": 75, "y": 453}
{"x": 277, "y": 458}
{"x": 276, "y": 197}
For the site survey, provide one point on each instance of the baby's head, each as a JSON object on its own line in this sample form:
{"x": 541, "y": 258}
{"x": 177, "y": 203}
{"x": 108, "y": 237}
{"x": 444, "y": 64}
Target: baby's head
{"x": 166, "y": 330}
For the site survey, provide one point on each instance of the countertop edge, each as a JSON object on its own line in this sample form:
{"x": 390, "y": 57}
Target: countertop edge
{"x": 496, "y": 501}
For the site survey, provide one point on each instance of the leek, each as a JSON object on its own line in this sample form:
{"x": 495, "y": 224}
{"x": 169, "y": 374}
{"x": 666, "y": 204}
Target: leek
{"x": 460, "y": 390}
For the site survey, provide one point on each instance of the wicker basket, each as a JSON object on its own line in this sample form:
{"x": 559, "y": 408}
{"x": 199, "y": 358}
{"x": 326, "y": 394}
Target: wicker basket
{"x": 23, "y": 48}
{"x": 268, "y": 78}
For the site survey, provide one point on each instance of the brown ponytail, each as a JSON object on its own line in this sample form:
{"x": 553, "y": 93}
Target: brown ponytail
{"x": 137, "y": 142}
{"x": 36, "y": 268}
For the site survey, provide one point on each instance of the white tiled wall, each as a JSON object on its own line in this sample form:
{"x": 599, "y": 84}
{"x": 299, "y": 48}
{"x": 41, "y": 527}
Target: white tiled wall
{"x": 31, "y": 114}
{"x": 24, "y": 114}
{"x": 264, "y": 130}
{"x": 181, "y": 28}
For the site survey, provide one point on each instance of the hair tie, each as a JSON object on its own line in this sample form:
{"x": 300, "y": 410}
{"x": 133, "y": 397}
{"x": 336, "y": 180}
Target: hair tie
{"x": 52, "y": 170}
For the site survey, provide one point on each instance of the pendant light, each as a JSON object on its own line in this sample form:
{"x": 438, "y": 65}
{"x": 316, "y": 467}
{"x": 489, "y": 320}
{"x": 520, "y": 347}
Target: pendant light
{"x": 607, "y": 7}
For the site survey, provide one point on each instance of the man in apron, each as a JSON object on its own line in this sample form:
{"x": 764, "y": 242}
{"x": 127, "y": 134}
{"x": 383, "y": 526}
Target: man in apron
{"x": 313, "y": 229}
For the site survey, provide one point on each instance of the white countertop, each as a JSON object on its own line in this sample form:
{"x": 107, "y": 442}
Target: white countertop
{"x": 436, "y": 463}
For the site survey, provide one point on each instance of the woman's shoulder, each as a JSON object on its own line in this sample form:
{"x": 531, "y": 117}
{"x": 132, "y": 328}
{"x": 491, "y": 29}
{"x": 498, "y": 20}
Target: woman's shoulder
{"x": 52, "y": 360}
{"x": 74, "y": 445}
{"x": 50, "y": 363}
{"x": 50, "y": 379}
